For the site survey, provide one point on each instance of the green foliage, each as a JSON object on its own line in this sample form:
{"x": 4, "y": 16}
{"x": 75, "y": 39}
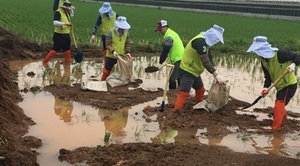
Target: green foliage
{"x": 34, "y": 20}
{"x": 107, "y": 136}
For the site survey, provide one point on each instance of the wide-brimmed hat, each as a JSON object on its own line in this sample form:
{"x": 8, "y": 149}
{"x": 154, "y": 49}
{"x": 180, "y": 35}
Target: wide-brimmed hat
{"x": 160, "y": 24}
{"x": 262, "y": 47}
{"x": 67, "y": 5}
{"x": 122, "y": 23}
{"x": 105, "y": 8}
{"x": 214, "y": 35}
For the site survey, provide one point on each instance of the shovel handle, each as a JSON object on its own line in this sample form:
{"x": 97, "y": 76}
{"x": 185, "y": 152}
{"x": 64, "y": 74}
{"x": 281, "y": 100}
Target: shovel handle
{"x": 73, "y": 37}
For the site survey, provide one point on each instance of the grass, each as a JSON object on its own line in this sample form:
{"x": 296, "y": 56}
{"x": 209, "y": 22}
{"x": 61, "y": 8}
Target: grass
{"x": 33, "y": 20}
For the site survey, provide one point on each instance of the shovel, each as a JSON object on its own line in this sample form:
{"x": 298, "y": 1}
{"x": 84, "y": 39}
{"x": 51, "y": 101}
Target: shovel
{"x": 78, "y": 54}
{"x": 161, "y": 109}
{"x": 259, "y": 97}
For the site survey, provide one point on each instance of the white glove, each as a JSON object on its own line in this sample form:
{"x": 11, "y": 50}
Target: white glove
{"x": 128, "y": 55}
{"x": 115, "y": 54}
{"x": 291, "y": 67}
{"x": 219, "y": 79}
{"x": 93, "y": 38}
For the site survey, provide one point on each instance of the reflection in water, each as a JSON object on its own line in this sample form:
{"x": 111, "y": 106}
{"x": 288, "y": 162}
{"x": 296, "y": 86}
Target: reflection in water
{"x": 63, "y": 109}
{"x": 242, "y": 71}
{"x": 58, "y": 75}
{"x": 115, "y": 122}
{"x": 165, "y": 136}
{"x": 276, "y": 145}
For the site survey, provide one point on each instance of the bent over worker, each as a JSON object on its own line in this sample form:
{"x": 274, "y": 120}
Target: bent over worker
{"x": 196, "y": 58}
{"x": 274, "y": 63}
{"x": 117, "y": 43}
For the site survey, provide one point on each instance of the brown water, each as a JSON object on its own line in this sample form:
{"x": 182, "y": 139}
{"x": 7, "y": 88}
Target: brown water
{"x": 84, "y": 125}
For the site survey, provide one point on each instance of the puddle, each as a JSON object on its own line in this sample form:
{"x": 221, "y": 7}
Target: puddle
{"x": 68, "y": 124}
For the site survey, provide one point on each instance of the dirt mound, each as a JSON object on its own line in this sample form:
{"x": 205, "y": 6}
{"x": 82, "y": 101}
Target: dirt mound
{"x": 15, "y": 48}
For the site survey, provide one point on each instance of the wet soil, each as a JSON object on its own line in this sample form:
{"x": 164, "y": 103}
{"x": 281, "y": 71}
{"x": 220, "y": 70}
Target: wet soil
{"x": 15, "y": 149}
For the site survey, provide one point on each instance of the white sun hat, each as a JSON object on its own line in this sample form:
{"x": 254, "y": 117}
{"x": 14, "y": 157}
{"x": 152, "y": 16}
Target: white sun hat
{"x": 261, "y": 47}
{"x": 214, "y": 35}
{"x": 106, "y": 8}
{"x": 122, "y": 23}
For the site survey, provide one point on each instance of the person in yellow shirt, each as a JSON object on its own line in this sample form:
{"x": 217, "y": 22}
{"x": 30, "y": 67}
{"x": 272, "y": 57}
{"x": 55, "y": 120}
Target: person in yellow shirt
{"x": 105, "y": 22}
{"x": 61, "y": 37}
{"x": 274, "y": 63}
{"x": 118, "y": 43}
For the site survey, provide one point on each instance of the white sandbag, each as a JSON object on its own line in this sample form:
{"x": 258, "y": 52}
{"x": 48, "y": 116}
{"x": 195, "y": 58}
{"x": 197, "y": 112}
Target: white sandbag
{"x": 122, "y": 74}
{"x": 217, "y": 97}
{"x": 93, "y": 84}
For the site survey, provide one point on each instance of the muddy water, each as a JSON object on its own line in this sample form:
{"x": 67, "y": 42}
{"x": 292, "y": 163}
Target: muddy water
{"x": 68, "y": 124}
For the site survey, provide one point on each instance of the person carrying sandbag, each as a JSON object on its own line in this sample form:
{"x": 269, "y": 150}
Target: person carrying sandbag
{"x": 117, "y": 43}
{"x": 196, "y": 58}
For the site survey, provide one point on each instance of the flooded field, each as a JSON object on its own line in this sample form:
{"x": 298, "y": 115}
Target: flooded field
{"x": 68, "y": 124}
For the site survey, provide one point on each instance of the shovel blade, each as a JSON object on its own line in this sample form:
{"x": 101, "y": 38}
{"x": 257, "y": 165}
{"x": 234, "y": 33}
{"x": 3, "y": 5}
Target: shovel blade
{"x": 254, "y": 102}
{"x": 78, "y": 57}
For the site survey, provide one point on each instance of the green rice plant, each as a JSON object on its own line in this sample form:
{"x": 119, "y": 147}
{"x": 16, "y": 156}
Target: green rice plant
{"x": 238, "y": 35}
{"x": 244, "y": 137}
{"x": 107, "y": 136}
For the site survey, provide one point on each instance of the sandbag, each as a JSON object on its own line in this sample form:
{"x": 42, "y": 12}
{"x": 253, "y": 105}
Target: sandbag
{"x": 93, "y": 84}
{"x": 122, "y": 73}
{"x": 217, "y": 97}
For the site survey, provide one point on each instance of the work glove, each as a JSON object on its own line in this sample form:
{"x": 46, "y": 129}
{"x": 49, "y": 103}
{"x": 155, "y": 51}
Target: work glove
{"x": 219, "y": 79}
{"x": 128, "y": 55}
{"x": 264, "y": 92}
{"x": 68, "y": 24}
{"x": 93, "y": 38}
{"x": 291, "y": 67}
{"x": 115, "y": 54}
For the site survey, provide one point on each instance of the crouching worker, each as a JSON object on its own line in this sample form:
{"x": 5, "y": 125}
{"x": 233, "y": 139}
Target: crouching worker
{"x": 117, "y": 43}
{"x": 197, "y": 57}
{"x": 274, "y": 63}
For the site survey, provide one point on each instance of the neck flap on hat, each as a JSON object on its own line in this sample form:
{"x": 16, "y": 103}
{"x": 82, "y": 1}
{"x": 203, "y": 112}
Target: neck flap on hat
{"x": 211, "y": 37}
{"x": 266, "y": 51}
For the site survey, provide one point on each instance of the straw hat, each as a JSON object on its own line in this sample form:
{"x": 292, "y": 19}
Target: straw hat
{"x": 67, "y": 5}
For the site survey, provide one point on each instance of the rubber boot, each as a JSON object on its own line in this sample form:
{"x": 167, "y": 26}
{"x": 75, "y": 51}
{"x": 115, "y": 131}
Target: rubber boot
{"x": 181, "y": 99}
{"x": 68, "y": 56}
{"x": 104, "y": 52}
{"x": 49, "y": 56}
{"x": 200, "y": 94}
{"x": 105, "y": 74}
{"x": 279, "y": 114}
